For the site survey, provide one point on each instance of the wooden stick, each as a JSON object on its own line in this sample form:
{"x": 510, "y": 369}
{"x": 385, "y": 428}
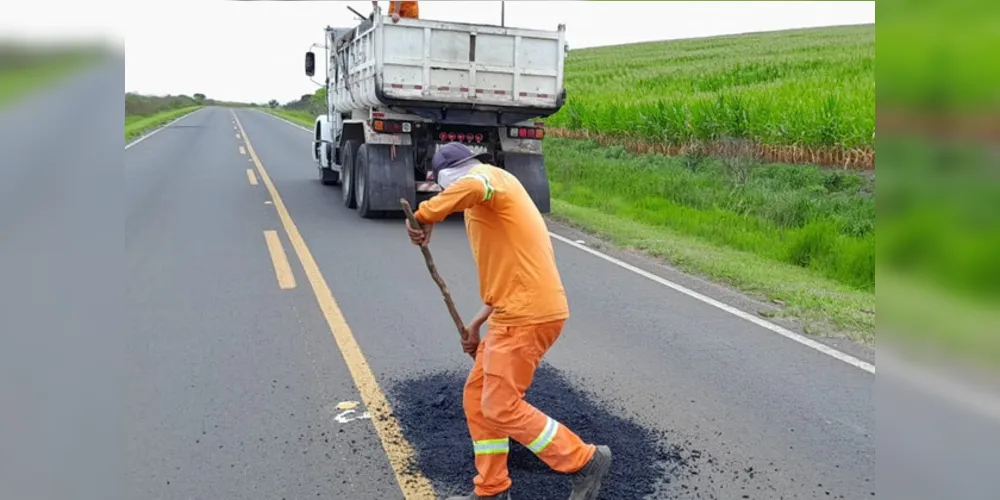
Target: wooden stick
{"x": 434, "y": 274}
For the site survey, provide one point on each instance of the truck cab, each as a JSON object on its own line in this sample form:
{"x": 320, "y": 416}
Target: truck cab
{"x": 398, "y": 91}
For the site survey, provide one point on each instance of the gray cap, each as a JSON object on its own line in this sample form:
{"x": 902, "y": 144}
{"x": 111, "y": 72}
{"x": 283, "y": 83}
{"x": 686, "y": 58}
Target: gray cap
{"x": 454, "y": 154}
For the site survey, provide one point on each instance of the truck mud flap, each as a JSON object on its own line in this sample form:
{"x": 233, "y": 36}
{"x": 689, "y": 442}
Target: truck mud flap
{"x": 530, "y": 171}
{"x": 384, "y": 178}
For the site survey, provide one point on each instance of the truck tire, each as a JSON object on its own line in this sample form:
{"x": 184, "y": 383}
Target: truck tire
{"x": 382, "y": 179}
{"x": 530, "y": 171}
{"x": 348, "y": 185}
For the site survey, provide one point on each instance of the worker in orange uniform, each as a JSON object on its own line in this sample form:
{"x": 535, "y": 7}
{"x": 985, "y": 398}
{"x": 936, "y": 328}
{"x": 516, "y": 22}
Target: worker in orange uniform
{"x": 398, "y": 9}
{"x": 526, "y": 307}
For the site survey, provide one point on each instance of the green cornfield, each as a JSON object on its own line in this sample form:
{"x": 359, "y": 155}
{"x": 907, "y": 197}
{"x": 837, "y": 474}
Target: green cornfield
{"x": 809, "y": 87}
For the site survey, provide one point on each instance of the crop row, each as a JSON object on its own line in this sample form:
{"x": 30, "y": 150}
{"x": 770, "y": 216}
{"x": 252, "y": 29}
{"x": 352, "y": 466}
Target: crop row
{"x": 812, "y": 87}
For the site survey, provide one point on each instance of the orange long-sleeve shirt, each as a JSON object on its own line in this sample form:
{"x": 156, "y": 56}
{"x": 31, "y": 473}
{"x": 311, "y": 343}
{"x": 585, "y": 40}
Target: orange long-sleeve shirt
{"x": 405, "y": 9}
{"x": 510, "y": 244}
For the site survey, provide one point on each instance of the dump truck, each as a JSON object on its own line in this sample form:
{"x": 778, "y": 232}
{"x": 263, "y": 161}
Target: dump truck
{"x": 397, "y": 91}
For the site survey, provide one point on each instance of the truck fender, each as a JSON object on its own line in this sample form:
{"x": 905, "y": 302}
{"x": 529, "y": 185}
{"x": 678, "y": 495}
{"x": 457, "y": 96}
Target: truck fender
{"x": 385, "y": 176}
{"x": 530, "y": 171}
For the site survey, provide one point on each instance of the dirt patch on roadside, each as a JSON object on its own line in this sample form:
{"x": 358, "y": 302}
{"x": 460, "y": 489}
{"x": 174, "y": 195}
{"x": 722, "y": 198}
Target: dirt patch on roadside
{"x": 859, "y": 159}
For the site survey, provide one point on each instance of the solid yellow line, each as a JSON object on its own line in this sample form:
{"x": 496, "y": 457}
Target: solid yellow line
{"x": 283, "y": 271}
{"x": 252, "y": 177}
{"x": 413, "y": 483}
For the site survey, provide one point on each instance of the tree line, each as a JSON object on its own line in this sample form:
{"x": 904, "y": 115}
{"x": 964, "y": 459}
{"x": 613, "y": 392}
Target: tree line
{"x": 145, "y": 105}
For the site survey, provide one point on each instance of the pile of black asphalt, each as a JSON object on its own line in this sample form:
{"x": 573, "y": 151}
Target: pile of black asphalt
{"x": 429, "y": 408}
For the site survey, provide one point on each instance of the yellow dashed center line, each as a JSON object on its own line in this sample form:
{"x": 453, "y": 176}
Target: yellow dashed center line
{"x": 283, "y": 271}
{"x": 401, "y": 455}
{"x": 252, "y": 177}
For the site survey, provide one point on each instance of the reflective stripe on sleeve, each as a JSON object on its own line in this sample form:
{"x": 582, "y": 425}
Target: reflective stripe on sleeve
{"x": 486, "y": 185}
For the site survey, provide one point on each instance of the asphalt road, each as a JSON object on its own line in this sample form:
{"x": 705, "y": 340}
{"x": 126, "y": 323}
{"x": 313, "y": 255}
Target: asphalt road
{"x": 61, "y": 324}
{"x": 227, "y": 385}
{"x": 234, "y": 381}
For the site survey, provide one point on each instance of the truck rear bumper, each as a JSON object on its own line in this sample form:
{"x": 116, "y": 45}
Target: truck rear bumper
{"x": 428, "y": 187}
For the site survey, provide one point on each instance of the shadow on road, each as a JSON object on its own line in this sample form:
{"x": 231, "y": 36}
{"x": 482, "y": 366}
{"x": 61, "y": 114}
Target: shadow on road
{"x": 430, "y": 410}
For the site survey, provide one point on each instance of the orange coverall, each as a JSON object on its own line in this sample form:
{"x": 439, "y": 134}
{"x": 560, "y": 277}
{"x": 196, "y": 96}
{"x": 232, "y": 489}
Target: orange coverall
{"x": 519, "y": 278}
{"x": 404, "y": 9}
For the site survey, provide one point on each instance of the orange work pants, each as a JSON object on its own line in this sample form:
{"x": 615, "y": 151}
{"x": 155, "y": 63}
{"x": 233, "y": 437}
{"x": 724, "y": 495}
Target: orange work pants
{"x": 496, "y": 410}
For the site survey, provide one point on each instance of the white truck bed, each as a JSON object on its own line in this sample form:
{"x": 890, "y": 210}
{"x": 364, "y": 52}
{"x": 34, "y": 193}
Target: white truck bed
{"x": 423, "y": 62}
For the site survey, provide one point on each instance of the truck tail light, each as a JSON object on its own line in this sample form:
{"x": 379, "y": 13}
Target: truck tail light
{"x": 479, "y": 137}
{"x": 443, "y": 136}
{"x": 451, "y": 136}
{"x": 525, "y": 133}
{"x": 461, "y": 137}
{"x": 391, "y": 127}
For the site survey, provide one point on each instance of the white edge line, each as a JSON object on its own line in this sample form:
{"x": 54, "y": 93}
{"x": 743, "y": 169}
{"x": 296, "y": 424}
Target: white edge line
{"x": 137, "y": 141}
{"x": 784, "y": 332}
{"x": 272, "y": 115}
{"x": 971, "y": 398}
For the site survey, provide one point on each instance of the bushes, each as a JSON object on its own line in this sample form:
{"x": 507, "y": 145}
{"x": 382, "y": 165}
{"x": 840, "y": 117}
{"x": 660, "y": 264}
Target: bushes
{"x": 818, "y": 219}
{"x": 149, "y": 105}
{"x": 145, "y": 105}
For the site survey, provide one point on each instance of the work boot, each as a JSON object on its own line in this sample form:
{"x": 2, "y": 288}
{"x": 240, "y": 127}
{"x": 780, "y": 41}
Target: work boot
{"x": 587, "y": 481}
{"x": 499, "y": 496}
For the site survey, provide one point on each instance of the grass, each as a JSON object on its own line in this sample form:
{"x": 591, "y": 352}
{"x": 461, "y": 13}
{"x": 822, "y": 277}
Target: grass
{"x": 303, "y": 118}
{"x": 21, "y": 74}
{"x": 810, "y": 87}
{"x": 822, "y": 305}
{"x": 939, "y": 276}
{"x": 797, "y": 234}
{"x": 930, "y": 319}
{"x": 136, "y": 125}
{"x": 804, "y": 216}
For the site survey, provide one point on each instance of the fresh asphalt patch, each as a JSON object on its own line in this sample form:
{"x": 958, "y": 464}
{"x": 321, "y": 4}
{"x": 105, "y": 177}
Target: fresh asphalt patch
{"x": 645, "y": 464}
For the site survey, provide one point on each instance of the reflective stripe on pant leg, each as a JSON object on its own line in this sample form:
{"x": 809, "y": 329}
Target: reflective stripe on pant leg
{"x": 509, "y": 362}
{"x": 492, "y": 476}
{"x": 491, "y": 446}
{"x": 543, "y": 439}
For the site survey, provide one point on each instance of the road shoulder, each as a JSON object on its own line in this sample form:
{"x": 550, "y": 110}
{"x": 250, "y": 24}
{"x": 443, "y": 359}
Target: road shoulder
{"x": 766, "y": 310}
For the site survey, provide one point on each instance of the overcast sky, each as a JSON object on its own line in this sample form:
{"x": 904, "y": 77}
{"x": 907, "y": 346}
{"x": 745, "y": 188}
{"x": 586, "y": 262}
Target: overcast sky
{"x": 252, "y": 51}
